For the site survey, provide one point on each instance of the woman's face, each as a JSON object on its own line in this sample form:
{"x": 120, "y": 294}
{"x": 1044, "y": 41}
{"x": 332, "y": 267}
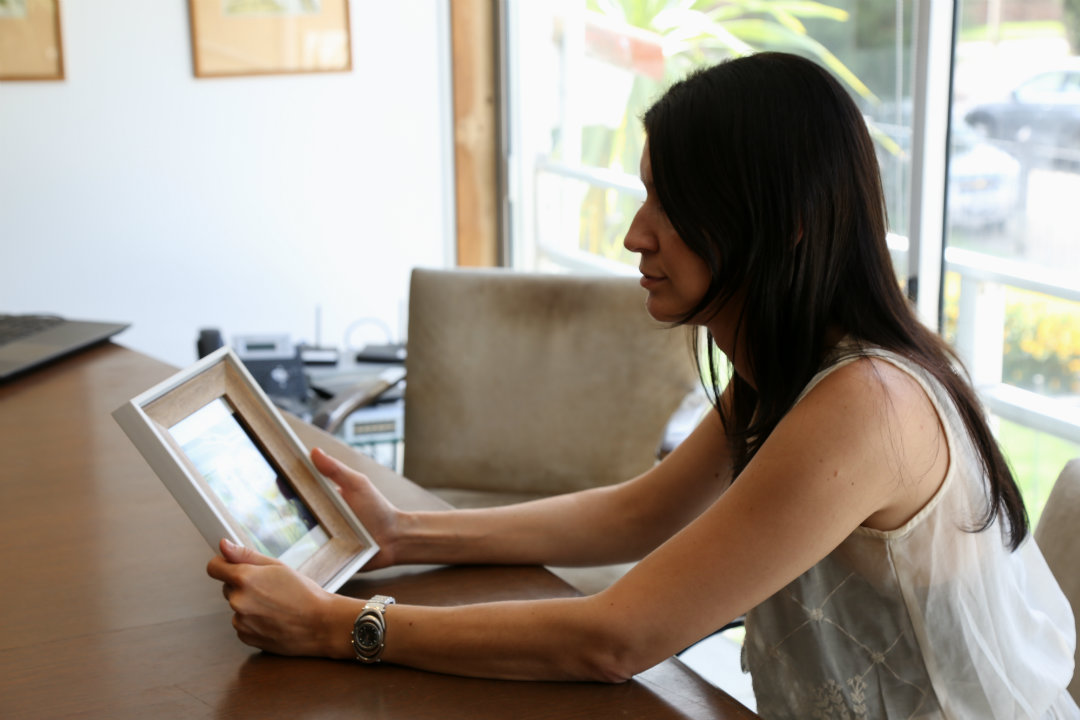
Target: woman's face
{"x": 675, "y": 276}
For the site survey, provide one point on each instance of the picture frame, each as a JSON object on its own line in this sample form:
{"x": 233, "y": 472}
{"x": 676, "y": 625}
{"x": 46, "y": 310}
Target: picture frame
{"x": 222, "y": 449}
{"x": 263, "y": 37}
{"x": 31, "y": 47}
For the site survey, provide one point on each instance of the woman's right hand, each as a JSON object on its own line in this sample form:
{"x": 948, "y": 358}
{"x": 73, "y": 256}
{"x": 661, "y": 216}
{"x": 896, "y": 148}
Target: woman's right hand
{"x": 374, "y": 511}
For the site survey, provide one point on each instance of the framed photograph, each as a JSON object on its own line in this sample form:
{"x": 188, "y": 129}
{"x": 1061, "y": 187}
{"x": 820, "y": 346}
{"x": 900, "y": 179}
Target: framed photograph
{"x": 30, "y": 46}
{"x": 239, "y": 472}
{"x": 259, "y": 37}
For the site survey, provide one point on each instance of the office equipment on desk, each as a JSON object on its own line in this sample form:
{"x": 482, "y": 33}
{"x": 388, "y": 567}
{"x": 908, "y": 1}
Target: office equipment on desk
{"x": 223, "y": 451}
{"x": 355, "y": 395}
{"x": 29, "y": 341}
{"x": 332, "y": 414}
{"x": 385, "y": 353}
{"x": 316, "y": 355}
{"x": 364, "y": 407}
{"x": 377, "y": 431}
{"x": 276, "y": 365}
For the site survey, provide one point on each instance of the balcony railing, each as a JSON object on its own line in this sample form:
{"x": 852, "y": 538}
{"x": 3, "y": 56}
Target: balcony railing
{"x": 980, "y": 337}
{"x": 980, "y": 322}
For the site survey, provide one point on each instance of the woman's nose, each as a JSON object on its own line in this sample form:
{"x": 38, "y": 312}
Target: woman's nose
{"x": 639, "y": 237}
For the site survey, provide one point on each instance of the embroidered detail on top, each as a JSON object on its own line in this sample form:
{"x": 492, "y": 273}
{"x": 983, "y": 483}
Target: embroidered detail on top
{"x": 834, "y": 700}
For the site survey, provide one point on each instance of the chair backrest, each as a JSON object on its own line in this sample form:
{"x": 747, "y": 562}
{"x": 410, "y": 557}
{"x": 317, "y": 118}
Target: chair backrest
{"x": 536, "y": 383}
{"x": 1058, "y": 537}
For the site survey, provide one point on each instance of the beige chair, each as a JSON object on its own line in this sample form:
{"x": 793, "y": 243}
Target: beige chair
{"x": 525, "y": 385}
{"x": 1058, "y": 536}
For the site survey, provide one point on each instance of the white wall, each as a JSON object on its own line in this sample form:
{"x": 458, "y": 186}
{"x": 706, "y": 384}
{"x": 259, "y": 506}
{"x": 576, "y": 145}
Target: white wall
{"x": 133, "y": 191}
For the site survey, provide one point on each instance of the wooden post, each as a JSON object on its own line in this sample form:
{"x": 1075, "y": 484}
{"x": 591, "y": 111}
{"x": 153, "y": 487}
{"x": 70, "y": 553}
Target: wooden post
{"x": 476, "y": 139}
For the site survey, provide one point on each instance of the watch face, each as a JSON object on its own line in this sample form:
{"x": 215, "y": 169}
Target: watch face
{"x": 368, "y": 636}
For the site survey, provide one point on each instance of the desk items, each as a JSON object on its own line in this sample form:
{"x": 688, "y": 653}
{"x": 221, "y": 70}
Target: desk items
{"x": 219, "y": 445}
{"x": 30, "y": 341}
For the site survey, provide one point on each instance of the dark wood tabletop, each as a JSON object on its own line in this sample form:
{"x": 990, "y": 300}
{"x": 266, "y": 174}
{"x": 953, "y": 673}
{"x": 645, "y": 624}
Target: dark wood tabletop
{"x": 106, "y": 610}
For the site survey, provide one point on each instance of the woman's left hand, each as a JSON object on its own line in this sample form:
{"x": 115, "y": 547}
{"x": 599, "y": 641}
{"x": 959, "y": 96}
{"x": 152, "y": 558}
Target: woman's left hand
{"x": 276, "y": 608}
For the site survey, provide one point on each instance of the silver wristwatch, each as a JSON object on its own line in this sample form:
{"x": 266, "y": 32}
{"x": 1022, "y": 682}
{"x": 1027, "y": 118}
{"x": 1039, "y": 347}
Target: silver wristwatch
{"x": 369, "y": 630}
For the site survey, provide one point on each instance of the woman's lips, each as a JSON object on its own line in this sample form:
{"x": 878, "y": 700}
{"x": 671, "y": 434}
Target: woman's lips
{"x": 650, "y": 281}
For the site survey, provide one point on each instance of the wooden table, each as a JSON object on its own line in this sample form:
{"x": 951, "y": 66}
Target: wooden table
{"x": 106, "y": 611}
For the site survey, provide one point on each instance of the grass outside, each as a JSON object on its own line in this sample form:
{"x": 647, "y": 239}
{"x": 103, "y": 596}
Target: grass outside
{"x": 1036, "y": 459}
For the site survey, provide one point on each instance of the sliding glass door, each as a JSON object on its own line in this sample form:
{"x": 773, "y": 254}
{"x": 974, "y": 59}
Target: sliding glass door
{"x": 981, "y": 167}
{"x": 1012, "y": 257}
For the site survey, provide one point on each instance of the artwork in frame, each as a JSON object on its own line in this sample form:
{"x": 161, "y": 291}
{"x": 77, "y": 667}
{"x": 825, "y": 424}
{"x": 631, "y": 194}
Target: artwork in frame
{"x": 221, "y": 448}
{"x": 30, "y": 45}
{"x": 263, "y": 37}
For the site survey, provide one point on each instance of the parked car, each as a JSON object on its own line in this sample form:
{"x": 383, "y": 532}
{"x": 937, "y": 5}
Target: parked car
{"x": 984, "y": 182}
{"x": 1042, "y": 114}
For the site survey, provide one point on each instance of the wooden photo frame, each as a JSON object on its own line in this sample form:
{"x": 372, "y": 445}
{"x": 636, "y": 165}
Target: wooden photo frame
{"x": 239, "y": 472}
{"x": 30, "y": 43}
{"x": 260, "y": 37}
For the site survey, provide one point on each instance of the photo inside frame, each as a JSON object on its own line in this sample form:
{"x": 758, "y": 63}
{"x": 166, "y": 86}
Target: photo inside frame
{"x": 30, "y": 44}
{"x": 248, "y": 483}
{"x": 251, "y": 37}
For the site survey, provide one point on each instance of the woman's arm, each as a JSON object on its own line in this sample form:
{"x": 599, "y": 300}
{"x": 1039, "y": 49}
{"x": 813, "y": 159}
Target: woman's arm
{"x": 863, "y": 446}
{"x": 602, "y": 525}
{"x": 616, "y": 523}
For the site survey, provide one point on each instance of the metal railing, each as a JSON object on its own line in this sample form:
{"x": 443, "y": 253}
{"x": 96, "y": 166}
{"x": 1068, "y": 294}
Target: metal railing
{"x": 980, "y": 337}
{"x": 980, "y": 322}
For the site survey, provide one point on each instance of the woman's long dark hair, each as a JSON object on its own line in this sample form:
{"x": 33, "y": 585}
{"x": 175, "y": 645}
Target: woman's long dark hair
{"x": 766, "y": 170}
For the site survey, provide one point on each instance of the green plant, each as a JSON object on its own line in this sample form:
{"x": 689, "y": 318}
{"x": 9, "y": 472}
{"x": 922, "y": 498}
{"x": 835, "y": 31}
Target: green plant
{"x": 691, "y": 33}
{"x": 1040, "y": 339}
{"x": 1042, "y": 343}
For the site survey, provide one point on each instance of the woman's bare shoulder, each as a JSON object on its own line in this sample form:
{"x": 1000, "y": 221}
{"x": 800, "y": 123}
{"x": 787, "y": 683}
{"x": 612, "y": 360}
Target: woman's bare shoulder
{"x": 891, "y": 424}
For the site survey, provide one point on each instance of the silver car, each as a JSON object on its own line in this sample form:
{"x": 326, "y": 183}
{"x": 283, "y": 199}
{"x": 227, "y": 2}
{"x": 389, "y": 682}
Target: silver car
{"x": 1041, "y": 116}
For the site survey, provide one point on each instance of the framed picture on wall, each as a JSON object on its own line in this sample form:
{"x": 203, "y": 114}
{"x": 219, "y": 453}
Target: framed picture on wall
{"x": 30, "y": 46}
{"x": 262, "y": 37}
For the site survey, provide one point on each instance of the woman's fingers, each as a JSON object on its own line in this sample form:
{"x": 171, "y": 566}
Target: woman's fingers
{"x": 336, "y": 471}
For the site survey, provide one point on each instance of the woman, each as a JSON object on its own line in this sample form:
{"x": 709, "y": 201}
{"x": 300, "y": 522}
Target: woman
{"x": 846, "y": 495}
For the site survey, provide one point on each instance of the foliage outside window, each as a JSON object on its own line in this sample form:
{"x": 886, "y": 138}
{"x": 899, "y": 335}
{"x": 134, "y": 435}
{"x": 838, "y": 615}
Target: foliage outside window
{"x": 614, "y": 57}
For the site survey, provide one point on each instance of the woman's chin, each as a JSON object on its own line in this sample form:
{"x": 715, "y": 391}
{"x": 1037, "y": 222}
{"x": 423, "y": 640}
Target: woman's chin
{"x": 660, "y": 312}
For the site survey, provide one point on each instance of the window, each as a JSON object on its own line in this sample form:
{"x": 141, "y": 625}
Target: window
{"x": 1012, "y": 256}
{"x": 581, "y": 72}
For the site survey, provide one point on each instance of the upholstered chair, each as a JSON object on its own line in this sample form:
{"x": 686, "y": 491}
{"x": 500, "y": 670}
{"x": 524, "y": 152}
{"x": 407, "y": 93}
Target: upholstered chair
{"x": 1058, "y": 536}
{"x": 520, "y": 385}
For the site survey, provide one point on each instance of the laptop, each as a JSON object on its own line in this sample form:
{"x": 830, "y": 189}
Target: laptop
{"x": 29, "y": 341}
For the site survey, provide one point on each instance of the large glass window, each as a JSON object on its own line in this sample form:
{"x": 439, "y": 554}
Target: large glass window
{"x": 1012, "y": 258}
{"x": 581, "y": 73}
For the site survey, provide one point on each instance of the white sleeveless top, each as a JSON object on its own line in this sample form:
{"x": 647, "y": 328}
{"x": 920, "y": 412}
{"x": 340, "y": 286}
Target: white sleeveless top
{"x": 926, "y": 621}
